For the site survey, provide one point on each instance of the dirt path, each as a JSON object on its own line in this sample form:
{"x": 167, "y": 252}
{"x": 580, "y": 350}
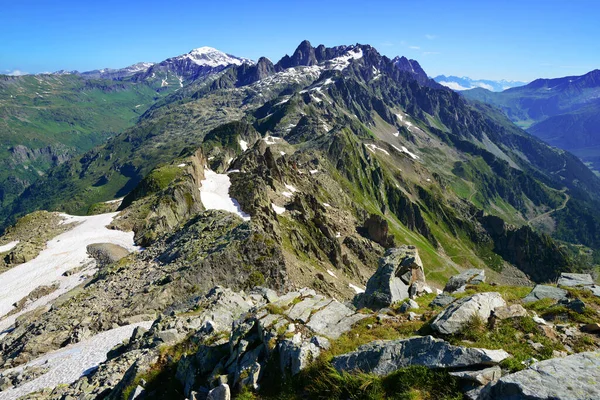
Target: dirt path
{"x": 563, "y": 205}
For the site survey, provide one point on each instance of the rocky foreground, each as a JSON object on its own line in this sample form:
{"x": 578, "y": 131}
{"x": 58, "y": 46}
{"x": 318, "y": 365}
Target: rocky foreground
{"x": 259, "y": 344}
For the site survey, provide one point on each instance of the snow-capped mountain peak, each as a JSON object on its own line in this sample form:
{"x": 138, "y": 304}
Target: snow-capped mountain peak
{"x": 211, "y": 57}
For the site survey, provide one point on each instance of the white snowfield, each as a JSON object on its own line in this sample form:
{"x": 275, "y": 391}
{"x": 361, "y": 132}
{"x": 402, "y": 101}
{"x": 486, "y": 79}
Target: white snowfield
{"x": 243, "y": 145}
{"x": 373, "y": 147}
{"x": 278, "y": 210}
{"x": 63, "y": 253}
{"x": 8, "y": 246}
{"x": 210, "y": 57}
{"x": 70, "y": 363}
{"x": 406, "y": 151}
{"x": 356, "y": 288}
{"x": 214, "y": 194}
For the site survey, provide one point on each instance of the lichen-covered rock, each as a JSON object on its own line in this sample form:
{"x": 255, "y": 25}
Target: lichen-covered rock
{"x": 457, "y": 283}
{"x": 512, "y": 311}
{"x": 540, "y": 292}
{"x": 459, "y": 313}
{"x": 573, "y": 377}
{"x": 383, "y": 357}
{"x": 398, "y": 269}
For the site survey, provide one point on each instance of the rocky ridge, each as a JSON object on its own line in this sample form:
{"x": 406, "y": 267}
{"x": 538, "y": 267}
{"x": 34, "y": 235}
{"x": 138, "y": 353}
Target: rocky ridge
{"x": 231, "y": 342}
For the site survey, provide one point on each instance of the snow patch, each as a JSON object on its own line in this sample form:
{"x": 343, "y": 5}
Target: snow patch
{"x": 287, "y": 194}
{"x": 326, "y": 205}
{"x": 372, "y": 147}
{"x": 331, "y": 273}
{"x": 313, "y": 171}
{"x": 243, "y": 145}
{"x": 356, "y": 288}
{"x": 63, "y": 253}
{"x": 214, "y": 194}
{"x": 406, "y": 151}
{"x": 182, "y": 165}
{"x": 342, "y": 62}
{"x": 278, "y": 210}
{"x": 291, "y": 188}
{"x": 271, "y": 139}
{"x": 70, "y": 363}
{"x": 8, "y": 246}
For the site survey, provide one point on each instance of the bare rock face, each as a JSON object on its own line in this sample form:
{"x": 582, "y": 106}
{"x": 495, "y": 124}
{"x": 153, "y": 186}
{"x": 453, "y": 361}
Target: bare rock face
{"x": 383, "y": 357}
{"x": 399, "y": 269}
{"x": 459, "y": 313}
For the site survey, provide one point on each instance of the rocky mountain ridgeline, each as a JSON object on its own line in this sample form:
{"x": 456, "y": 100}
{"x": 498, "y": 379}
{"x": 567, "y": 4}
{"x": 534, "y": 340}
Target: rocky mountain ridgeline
{"x": 227, "y": 342}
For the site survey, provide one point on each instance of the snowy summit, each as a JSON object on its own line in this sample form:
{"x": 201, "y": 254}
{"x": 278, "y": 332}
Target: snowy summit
{"x": 211, "y": 57}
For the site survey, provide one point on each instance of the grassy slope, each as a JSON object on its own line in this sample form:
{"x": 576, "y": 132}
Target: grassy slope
{"x": 67, "y": 113}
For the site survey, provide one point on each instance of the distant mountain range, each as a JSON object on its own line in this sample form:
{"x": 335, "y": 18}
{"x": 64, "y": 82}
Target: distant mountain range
{"x": 466, "y": 83}
{"x": 564, "y": 112}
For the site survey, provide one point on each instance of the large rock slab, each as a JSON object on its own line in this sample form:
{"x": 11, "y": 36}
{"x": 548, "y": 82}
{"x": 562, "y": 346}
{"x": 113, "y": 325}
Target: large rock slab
{"x": 540, "y": 292}
{"x": 461, "y": 311}
{"x": 398, "y": 270}
{"x": 457, "y": 283}
{"x": 333, "y": 320}
{"x": 383, "y": 357}
{"x": 575, "y": 280}
{"x": 573, "y": 377}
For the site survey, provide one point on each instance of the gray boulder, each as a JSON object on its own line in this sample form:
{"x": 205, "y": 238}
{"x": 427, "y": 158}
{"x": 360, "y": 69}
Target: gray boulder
{"x": 457, "y": 283}
{"x": 296, "y": 354}
{"x": 463, "y": 310}
{"x": 480, "y": 376}
{"x": 221, "y": 392}
{"x": 575, "y": 280}
{"x": 398, "y": 270}
{"x": 572, "y": 377}
{"x": 442, "y": 300}
{"x": 513, "y": 311}
{"x": 106, "y": 253}
{"x": 383, "y": 357}
{"x": 540, "y": 292}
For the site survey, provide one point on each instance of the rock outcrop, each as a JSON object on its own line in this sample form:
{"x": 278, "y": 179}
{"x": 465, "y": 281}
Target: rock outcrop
{"x": 400, "y": 269}
{"x": 540, "y": 292}
{"x": 458, "y": 283}
{"x": 383, "y": 357}
{"x": 459, "y": 313}
{"x": 572, "y": 377}
{"x": 575, "y": 280}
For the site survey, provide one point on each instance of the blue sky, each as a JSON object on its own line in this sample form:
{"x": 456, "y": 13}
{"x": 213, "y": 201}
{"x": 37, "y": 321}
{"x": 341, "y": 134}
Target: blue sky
{"x": 519, "y": 40}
